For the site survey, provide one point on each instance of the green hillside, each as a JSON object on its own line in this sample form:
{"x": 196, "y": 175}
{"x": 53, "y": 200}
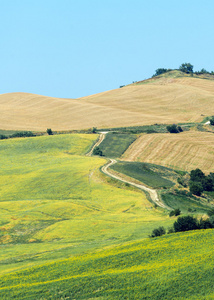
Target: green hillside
{"x": 176, "y": 266}
{"x": 54, "y": 202}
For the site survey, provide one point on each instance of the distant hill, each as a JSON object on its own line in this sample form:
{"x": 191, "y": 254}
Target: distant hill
{"x": 169, "y": 98}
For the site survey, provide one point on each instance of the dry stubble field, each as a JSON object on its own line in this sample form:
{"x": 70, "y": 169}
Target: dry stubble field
{"x": 160, "y": 100}
{"x": 186, "y": 151}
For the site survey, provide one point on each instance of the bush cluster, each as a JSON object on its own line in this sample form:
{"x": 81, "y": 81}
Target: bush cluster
{"x": 186, "y": 223}
{"x": 185, "y": 67}
{"x": 17, "y": 134}
{"x": 175, "y": 212}
{"x": 174, "y": 128}
{"x": 158, "y": 231}
{"x": 97, "y": 151}
{"x": 199, "y": 182}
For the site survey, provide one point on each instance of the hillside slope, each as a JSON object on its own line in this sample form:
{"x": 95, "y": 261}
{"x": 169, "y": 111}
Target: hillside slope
{"x": 176, "y": 266}
{"x": 159, "y": 100}
{"x": 54, "y": 202}
{"x": 186, "y": 151}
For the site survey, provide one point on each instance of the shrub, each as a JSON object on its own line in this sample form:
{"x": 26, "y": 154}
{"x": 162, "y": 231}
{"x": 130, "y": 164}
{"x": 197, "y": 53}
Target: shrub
{"x": 158, "y": 231}
{"x": 22, "y": 134}
{"x": 97, "y": 151}
{"x": 181, "y": 181}
{"x": 174, "y": 128}
{"x": 205, "y": 224}
{"x": 161, "y": 71}
{"x": 49, "y": 131}
{"x": 212, "y": 121}
{"x": 171, "y": 230}
{"x": 175, "y": 212}
{"x": 196, "y": 188}
{"x": 185, "y": 223}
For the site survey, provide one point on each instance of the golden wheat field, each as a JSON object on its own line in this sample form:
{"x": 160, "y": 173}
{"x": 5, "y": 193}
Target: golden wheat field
{"x": 186, "y": 151}
{"x": 161, "y": 100}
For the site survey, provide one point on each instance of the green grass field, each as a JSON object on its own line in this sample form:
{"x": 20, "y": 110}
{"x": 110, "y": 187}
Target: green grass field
{"x": 115, "y": 144}
{"x": 175, "y": 266}
{"x": 54, "y": 202}
{"x": 186, "y": 203}
{"x": 152, "y": 175}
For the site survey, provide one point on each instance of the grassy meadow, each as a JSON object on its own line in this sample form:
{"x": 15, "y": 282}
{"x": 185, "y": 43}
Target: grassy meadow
{"x": 174, "y": 266}
{"x": 186, "y": 202}
{"x": 151, "y": 175}
{"x": 184, "y": 151}
{"x": 115, "y": 144}
{"x": 55, "y": 203}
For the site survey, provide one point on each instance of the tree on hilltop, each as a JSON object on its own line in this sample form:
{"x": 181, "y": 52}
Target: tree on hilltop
{"x": 186, "y": 67}
{"x": 161, "y": 71}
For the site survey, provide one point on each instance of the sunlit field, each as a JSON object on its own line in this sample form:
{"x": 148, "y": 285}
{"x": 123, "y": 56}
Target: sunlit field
{"x": 175, "y": 266}
{"x": 54, "y": 202}
{"x": 184, "y": 151}
{"x": 171, "y": 98}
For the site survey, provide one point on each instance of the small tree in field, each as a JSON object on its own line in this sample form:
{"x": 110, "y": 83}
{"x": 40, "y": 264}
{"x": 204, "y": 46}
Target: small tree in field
{"x": 158, "y": 231}
{"x": 49, "y": 131}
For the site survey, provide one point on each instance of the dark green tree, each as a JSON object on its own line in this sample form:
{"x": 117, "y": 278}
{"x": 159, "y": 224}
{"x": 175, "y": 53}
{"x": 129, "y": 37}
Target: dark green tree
{"x": 97, "y": 151}
{"x": 185, "y": 223}
{"x": 212, "y": 121}
{"x": 174, "y": 128}
{"x": 161, "y": 71}
{"x": 175, "y": 212}
{"x": 205, "y": 224}
{"x": 196, "y": 188}
{"x": 197, "y": 175}
{"x": 186, "y": 67}
{"x": 158, "y": 231}
{"x": 49, "y": 131}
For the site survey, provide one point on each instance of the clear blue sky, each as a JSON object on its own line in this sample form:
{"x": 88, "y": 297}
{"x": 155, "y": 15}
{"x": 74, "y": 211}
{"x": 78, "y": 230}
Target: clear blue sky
{"x": 70, "y": 48}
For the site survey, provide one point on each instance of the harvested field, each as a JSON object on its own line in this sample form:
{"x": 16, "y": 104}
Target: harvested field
{"x": 185, "y": 151}
{"x": 160, "y": 100}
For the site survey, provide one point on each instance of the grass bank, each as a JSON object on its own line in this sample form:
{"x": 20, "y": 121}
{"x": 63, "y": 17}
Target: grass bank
{"x": 175, "y": 266}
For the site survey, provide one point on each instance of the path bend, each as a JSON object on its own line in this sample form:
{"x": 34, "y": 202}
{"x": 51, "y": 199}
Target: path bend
{"x": 101, "y": 138}
{"x": 153, "y": 193}
{"x": 105, "y": 169}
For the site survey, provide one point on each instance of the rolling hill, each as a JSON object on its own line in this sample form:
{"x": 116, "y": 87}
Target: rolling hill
{"x": 164, "y": 99}
{"x": 68, "y": 231}
{"x": 54, "y": 202}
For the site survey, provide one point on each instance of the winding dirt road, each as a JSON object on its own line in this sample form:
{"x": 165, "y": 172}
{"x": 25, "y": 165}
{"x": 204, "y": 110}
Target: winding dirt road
{"x": 153, "y": 194}
{"x": 105, "y": 169}
{"x": 101, "y": 138}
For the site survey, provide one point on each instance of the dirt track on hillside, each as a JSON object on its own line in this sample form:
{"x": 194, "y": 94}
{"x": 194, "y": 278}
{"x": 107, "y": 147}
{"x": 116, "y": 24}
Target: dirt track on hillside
{"x": 153, "y": 194}
{"x": 105, "y": 169}
{"x": 101, "y": 138}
